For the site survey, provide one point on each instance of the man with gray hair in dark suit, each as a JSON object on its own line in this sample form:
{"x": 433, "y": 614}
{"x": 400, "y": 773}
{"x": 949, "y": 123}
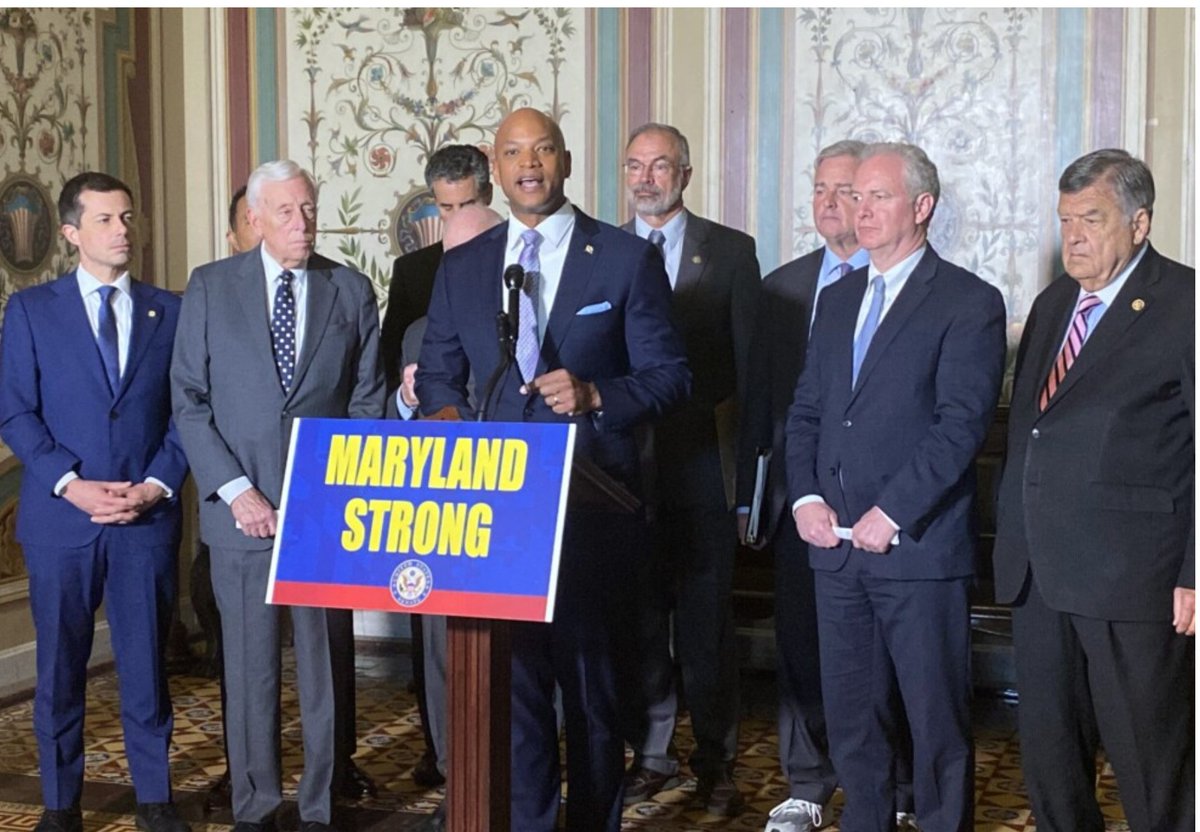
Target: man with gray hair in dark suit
{"x": 265, "y": 337}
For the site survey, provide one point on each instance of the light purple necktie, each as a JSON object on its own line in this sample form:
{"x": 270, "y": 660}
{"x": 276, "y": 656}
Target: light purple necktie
{"x": 527, "y": 326}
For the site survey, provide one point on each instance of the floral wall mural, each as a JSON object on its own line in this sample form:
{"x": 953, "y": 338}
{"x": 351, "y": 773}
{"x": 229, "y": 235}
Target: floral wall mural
{"x": 374, "y": 92}
{"x": 47, "y": 134}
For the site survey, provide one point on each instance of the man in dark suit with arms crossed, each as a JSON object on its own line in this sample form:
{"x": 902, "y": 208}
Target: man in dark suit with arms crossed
{"x": 276, "y": 333}
{"x": 1095, "y": 544}
{"x": 899, "y": 385}
{"x": 596, "y": 347}
{"x": 85, "y": 404}
{"x": 714, "y": 274}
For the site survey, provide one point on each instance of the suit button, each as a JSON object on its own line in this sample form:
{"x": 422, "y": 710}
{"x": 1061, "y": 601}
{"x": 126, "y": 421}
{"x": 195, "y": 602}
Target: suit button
{"x": 528, "y": 410}
{"x": 833, "y": 472}
{"x": 112, "y": 414}
{"x": 847, "y": 423}
{"x": 1036, "y": 433}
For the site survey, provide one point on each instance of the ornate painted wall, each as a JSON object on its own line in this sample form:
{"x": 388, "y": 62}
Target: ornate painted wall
{"x": 48, "y": 133}
{"x": 373, "y": 93}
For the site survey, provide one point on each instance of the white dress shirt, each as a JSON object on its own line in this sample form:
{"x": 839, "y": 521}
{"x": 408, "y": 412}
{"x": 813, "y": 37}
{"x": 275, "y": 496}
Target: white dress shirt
{"x": 673, "y": 234}
{"x": 122, "y": 307}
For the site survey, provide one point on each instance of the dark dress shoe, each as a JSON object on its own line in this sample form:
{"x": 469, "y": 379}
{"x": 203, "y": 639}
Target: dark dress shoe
{"x": 260, "y": 826}
{"x": 60, "y": 820}
{"x": 425, "y": 773}
{"x": 641, "y": 784}
{"x": 220, "y": 796}
{"x": 356, "y": 784}
{"x": 159, "y": 817}
{"x": 314, "y": 826}
{"x": 720, "y": 796}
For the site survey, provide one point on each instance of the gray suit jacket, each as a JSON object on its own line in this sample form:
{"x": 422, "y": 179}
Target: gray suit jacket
{"x": 230, "y": 409}
{"x": 714, "y": 301}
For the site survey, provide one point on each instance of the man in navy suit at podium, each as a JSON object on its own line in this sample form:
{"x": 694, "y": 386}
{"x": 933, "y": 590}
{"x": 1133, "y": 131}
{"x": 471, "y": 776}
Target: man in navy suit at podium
{"x": 595, "y": 346}
{"x": 85, "y": 404}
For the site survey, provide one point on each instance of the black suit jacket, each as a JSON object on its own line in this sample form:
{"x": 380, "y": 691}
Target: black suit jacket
{"x": 408, "y": 299}
{"x": 777, "y": 355}
{"x": 905, "y": 435}
{"x": 1097, "y": 491}
{"x": 714, "y": 302}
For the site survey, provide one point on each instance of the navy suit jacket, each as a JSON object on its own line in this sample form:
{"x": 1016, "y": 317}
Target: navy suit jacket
{"x": 58, "y": 414}
{"x": 625, "y": 343}
{"x": 905, "y": 437}
{"x": 1098, "y": 490}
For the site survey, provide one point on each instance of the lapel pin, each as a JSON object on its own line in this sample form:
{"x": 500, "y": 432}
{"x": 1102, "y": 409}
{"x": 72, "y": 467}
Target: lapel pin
{"x": 588, "y": 248}
{"x": 151, "y": 313}
{"x": 697, "y": 259}
{"x": 1138, "y": 304}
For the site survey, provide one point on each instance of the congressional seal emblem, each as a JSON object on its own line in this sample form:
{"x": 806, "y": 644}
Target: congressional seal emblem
{"x": 411, "y": 583}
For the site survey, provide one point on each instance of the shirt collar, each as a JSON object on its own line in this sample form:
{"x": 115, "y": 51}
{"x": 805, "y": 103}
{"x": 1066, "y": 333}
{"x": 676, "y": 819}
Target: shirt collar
{"x": 673, "y": 230}
{"x": 830, "y": 261}
{"x": 1109, "y": 293}
{"x": 89, "y": 283}
{"x": 899, "y": 273}
{"x": 273, "y": 269}
{"x": 554, "y": 229}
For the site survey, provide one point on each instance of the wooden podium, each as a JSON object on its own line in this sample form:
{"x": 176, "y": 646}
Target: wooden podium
{"x": 479, "y": 679}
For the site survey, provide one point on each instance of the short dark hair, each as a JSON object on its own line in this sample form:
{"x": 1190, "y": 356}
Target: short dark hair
{"x": 238, "y": 196}
{"x": 458, "y": 161}
{"x": 70, "y": 209}
{"x": 1129, "y": 177}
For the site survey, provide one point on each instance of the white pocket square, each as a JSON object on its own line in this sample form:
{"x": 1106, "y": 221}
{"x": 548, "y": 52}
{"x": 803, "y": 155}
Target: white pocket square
{"x": 595, "y": 308}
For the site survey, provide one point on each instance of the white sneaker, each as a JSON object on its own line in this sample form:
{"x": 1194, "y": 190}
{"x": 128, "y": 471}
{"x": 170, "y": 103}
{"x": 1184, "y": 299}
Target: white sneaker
{"x": 795, "y": 815}
{"x": 906, "y": 822}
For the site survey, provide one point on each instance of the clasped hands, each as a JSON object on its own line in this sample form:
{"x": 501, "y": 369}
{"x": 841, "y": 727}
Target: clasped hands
{"x": 116, "y": 503}
{"x": 872, "y": 533}
{"x": 564, "y": 393}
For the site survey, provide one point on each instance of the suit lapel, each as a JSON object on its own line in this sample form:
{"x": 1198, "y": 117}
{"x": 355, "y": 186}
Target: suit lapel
{"x": 321, "y": 296}
{"x": 251, "y": 291}
{"x": 147, "y": 315}
{"x": 582, "y": 253}
{"x": 1112, "y": 327}
{"x": 916, "y": 288}
{"x": 78, "y": 332}
{"x": 693, "y": 260}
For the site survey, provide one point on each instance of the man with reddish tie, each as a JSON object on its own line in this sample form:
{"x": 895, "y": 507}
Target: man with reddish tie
{"x": 1095, "y": 545}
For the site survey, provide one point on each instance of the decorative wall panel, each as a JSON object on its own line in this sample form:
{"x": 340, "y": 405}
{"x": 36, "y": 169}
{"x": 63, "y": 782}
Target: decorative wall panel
{"x": 48, "y": 133}
{"x": 372, "y": 93}
{"x": 971, "y": 87}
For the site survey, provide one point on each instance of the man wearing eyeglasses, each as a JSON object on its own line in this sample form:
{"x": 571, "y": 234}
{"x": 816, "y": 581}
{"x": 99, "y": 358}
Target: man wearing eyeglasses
{"x": 715, "y": 280}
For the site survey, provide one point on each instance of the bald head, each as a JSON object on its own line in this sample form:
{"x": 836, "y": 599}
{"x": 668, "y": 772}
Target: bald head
{"x": 531, "y": 163}
{"x": 467, "y": 223}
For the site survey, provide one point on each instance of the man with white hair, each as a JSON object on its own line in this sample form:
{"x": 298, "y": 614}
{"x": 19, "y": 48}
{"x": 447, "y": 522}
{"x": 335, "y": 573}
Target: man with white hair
{"x": 265, "y": 337}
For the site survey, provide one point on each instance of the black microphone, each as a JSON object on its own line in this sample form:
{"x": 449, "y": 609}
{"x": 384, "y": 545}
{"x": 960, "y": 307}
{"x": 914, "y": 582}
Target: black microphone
{"x": 514, "y": 279}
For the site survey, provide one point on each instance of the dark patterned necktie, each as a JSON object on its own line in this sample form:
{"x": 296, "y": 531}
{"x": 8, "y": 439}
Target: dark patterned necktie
{"x": 283, "y": 330}
{"x": 106, "y": 338}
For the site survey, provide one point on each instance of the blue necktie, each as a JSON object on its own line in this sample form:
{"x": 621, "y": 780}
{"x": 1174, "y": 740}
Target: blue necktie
{"x": 527, "y": 327}
{"x": 863, "y": 341}
{"x": 283, "y": 330}
{"x": 106, "y": 338}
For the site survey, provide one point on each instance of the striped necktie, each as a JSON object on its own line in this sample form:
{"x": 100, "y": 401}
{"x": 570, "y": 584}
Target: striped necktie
{"x": 1070, "y": 350}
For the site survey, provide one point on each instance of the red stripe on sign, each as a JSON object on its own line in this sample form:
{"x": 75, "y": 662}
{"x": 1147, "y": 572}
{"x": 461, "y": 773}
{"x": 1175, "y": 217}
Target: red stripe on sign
{"x": 439, "y": 602}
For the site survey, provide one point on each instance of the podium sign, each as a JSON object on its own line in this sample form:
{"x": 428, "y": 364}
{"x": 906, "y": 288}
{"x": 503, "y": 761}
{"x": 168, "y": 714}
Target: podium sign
{"x": 442, "y": 518}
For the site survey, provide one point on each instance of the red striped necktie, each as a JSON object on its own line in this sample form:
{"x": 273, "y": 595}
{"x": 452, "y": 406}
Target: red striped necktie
{"x": 1070, "y": 350}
